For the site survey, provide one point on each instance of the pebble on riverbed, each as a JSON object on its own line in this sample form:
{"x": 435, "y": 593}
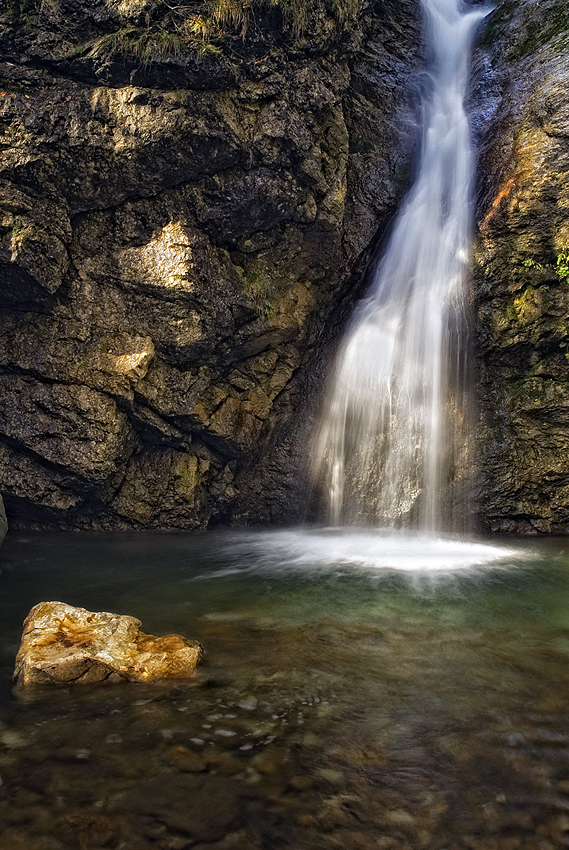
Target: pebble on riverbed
{"x": 66, "y": 645}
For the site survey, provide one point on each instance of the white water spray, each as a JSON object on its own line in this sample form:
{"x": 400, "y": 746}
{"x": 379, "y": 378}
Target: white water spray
{"x": 392, "y": 429}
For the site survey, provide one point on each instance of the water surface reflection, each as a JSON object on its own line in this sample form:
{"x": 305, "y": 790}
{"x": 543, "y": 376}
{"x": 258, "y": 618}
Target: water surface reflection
{"x": 349, "y": 699}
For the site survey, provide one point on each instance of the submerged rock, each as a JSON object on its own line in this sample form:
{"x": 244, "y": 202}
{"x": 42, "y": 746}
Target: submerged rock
{"x": 66, "y": 645}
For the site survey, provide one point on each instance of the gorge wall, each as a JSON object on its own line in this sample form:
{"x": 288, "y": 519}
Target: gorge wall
{"x": 178, "y": 230}
{"x": 182, "y": 233}
{"x": 521, "y": 98}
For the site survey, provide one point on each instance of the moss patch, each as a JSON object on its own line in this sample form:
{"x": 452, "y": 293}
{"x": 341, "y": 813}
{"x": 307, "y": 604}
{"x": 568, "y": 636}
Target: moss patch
{"x": 258, "y": 287}
{"x": 496, "y": 23}
{"x": 540, "y": 33}
{"x": 531, "y": 34}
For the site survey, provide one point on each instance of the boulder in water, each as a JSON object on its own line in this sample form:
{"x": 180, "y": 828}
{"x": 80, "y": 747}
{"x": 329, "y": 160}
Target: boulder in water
{"x": 66, "y": 645}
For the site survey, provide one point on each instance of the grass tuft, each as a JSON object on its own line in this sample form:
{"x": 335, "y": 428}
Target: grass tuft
{"x": 183, "y": 28}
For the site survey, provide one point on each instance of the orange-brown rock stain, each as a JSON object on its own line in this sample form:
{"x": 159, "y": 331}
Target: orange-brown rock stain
{"x": 528, "y": 158}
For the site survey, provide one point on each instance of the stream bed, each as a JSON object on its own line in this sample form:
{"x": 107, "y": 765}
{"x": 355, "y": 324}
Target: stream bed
{"x": 359, "y": 691}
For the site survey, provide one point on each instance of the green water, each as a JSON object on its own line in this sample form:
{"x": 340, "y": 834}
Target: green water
{"x": 340, "y": 705}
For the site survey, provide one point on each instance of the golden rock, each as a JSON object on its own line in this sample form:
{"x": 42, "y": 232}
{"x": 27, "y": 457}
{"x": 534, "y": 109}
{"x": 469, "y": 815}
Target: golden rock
{"x": 66, "y": 645}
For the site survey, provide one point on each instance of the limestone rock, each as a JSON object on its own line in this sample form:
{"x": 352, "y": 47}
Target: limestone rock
{"x": 522, "y": 290}
{"x": 177, "y": 236}
{"x": 68, "y": 425}
{"x": 66, "y": 645}
{"x": 183, "y": 479}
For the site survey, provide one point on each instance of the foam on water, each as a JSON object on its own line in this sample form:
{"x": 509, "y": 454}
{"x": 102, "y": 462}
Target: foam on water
{"x": 321, "y": 549}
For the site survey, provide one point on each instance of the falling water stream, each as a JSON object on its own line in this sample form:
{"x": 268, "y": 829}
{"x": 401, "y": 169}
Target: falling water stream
{"x": 393, "y": 430}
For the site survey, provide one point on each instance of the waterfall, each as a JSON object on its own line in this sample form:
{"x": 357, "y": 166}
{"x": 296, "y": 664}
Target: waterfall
{"x": 393, "y": 426}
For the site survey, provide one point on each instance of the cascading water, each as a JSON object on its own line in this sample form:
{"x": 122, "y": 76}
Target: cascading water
{"x": 393, "y": 425}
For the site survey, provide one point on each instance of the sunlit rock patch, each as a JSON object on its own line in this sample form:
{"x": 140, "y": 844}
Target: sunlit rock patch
{"x": 176, "y": 236}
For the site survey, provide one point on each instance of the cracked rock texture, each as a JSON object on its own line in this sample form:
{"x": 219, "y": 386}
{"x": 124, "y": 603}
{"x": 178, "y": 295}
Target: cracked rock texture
{"x": 63, "y": 645}
{"x": 181, "y": 240}
{"x": 521, "y": 98}
{"x": 178, "y": 239}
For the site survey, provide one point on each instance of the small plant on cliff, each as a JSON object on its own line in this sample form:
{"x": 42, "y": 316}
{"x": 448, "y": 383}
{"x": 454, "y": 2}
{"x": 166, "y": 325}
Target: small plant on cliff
{"x": 225, "y": 17}
{"x": 531, "y": 264}
{"x": 562, "y": 264}
{"x": 222, "y": 17}
{"x": 147, "y": 45}
{"x": 231, "y": 13}
{"x": 561, "y": 267}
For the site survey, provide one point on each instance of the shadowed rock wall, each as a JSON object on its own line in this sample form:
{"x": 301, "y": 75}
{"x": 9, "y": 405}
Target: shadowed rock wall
{"x": 176, "y": 241}
{"x": 521, "y": 97}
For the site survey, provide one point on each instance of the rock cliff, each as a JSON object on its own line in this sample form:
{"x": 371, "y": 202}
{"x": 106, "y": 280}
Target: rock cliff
{"x": 179, "y": 227}
{"x": 182, "y": 230}
{"x": 521, "y": 99}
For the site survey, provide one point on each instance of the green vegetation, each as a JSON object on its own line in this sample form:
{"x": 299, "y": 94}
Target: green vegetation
{"x": 225, "y": 16}
{"x": 532, "y": 33}
{"x": 561, "y": 267}
{"x": 170, "y": 31}
{"x": 165, "y": 29}
{"x": 145, "y": 45}
{"x": 562, "y": 264}
{"x": 257, "y": 287}
{"x": 555, "y": 24}
{"x": 496, "y": 23}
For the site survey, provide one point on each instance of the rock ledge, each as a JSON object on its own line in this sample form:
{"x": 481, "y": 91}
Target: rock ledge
{"x": 66, "y": 645}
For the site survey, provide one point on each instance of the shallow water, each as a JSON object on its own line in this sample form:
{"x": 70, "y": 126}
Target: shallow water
{"x": 359, "y": 691}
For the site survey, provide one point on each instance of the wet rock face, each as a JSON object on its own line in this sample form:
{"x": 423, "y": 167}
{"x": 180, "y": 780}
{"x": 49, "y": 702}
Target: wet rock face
{"x": 175, "y": 237}
{"x": 3, "y": 521}
{"x": 62, "y": 645}
{"x": 522, "y": 273}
